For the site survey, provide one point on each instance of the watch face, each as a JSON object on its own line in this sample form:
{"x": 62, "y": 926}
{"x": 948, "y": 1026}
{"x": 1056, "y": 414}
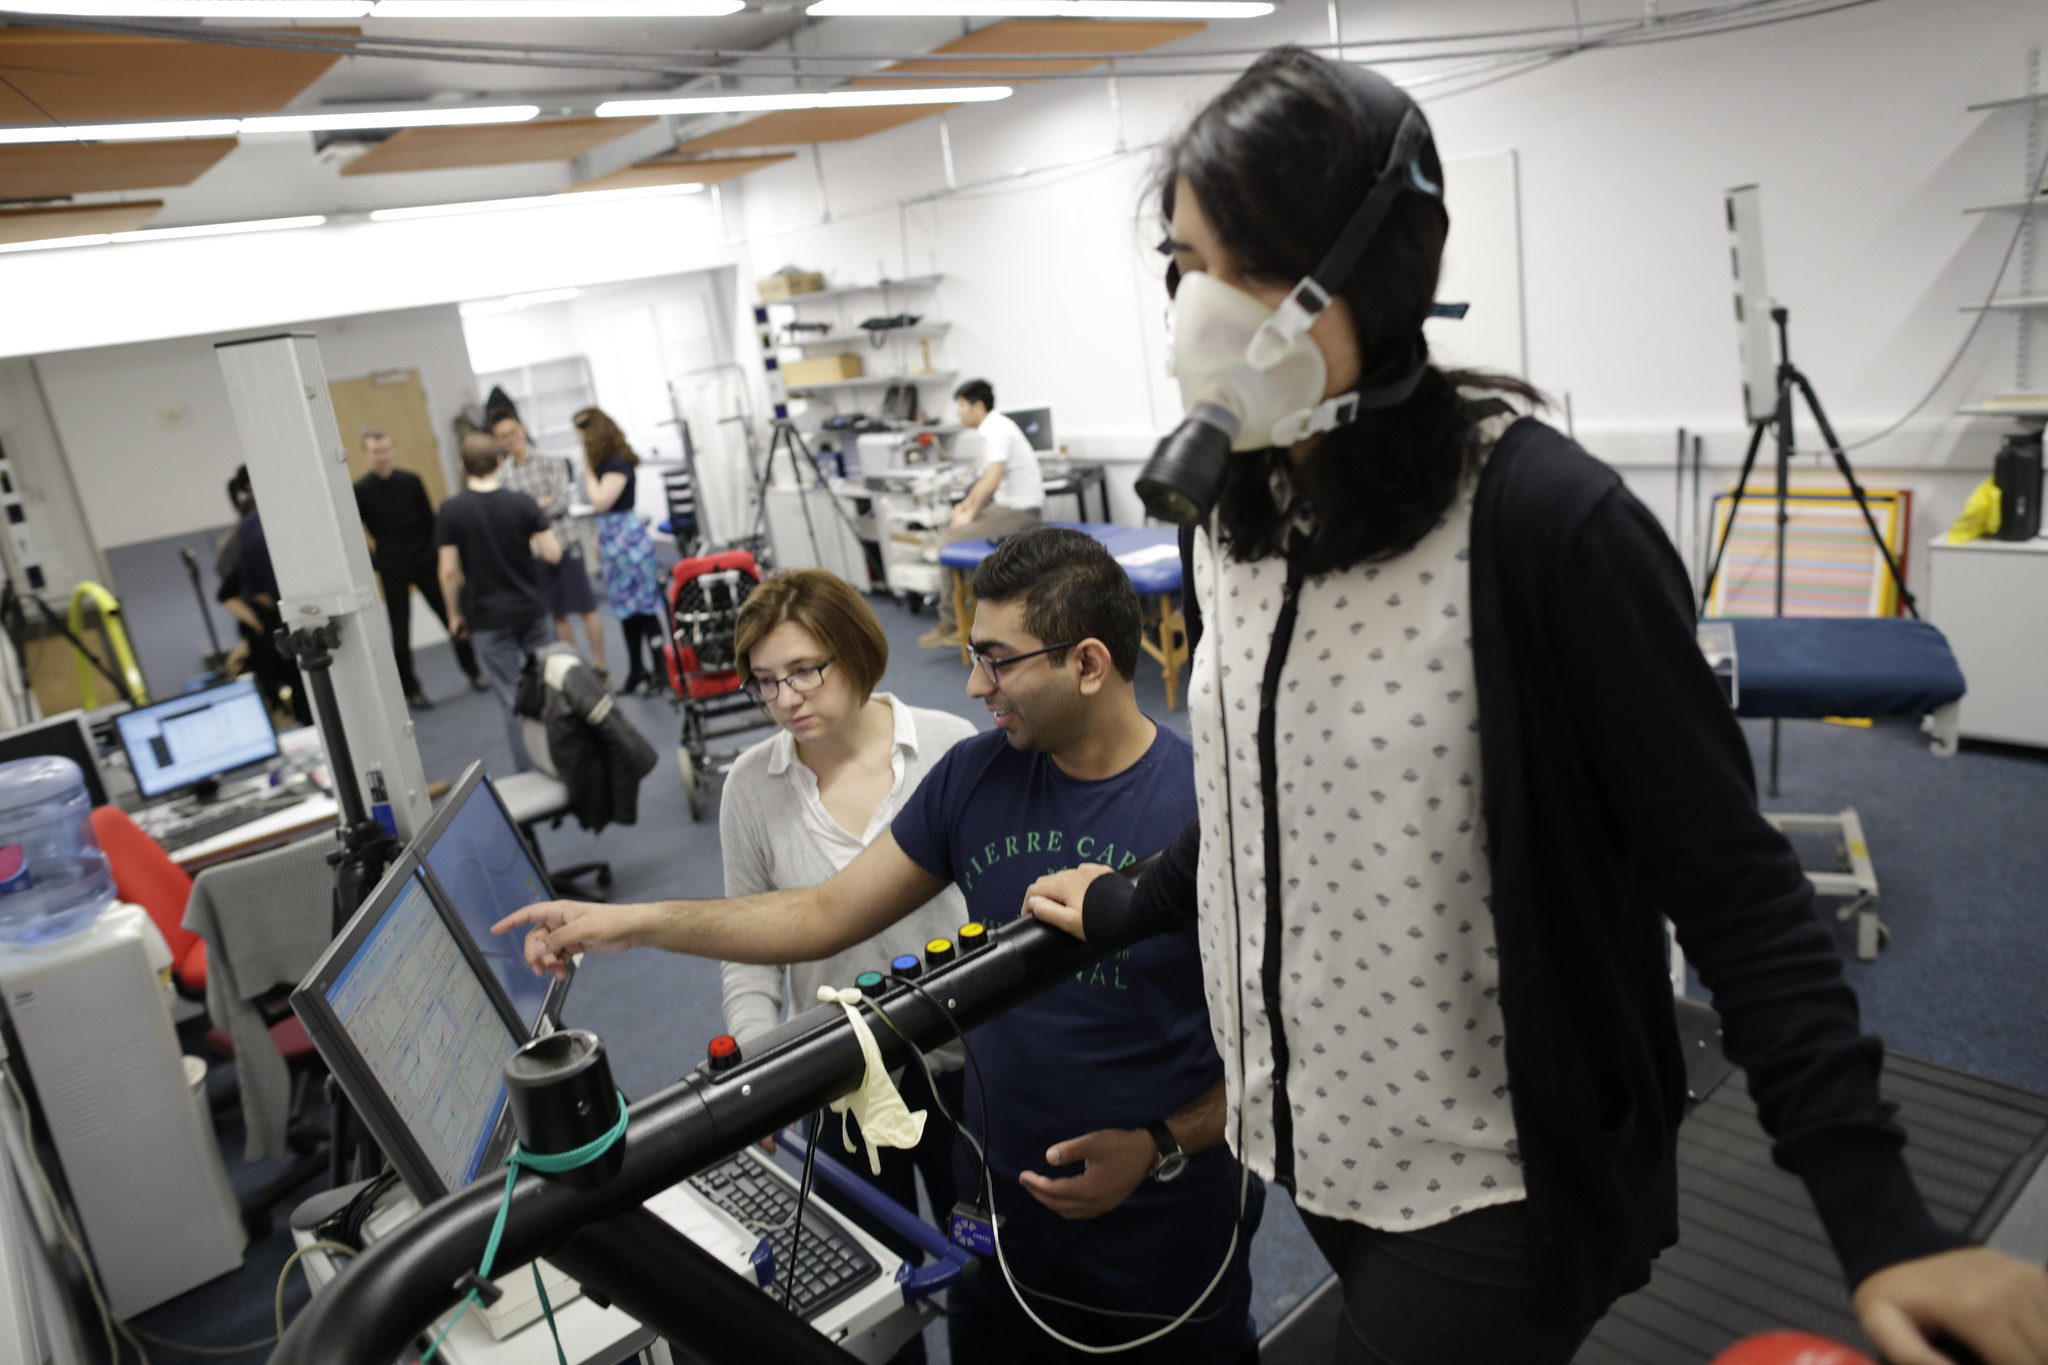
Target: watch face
{"x": 1170, "y": 1166}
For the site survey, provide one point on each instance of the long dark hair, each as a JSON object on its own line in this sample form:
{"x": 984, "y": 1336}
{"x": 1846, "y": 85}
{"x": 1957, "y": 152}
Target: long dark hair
{"x": 1279, "y": 161}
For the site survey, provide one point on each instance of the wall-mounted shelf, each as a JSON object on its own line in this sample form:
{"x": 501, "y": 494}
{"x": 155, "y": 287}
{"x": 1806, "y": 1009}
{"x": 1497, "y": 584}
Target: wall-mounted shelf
{"x": 2032, "y": 405}
{"x": 2017, "y": 304}
{"x": 879, "y": 287}
{"x": 876, "y": 381}
{"x": 922, "y": 329}
{"x": 2039, "y": 201}
{"x": 2015, "y": 102}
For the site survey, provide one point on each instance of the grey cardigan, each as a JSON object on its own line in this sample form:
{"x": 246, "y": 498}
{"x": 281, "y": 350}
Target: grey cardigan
{"x": 776, "y": 835}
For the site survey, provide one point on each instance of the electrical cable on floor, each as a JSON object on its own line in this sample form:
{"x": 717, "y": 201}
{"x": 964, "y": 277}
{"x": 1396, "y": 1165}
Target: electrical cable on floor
{"x": 277, "y": 1301}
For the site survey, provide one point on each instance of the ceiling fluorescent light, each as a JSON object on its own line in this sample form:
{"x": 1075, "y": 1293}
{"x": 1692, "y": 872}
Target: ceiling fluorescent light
{"x": 220, "y": 229}
{"x": 121, "y": 132}
{"x": 837, "y": 99}
{"x": 406, "y": 118}
{"x": 273, "y": 123}
{"x": 196, "y": 9}
{"x": 513, "y": 303}
{"x": 554, "y": 9}
{"x": 535, "y": 201}
{"x": 1045, "y": 9}
{"x": 168, "y": 234}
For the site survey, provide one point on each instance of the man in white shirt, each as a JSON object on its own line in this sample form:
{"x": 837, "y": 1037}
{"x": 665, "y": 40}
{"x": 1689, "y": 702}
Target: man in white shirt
{"x": 1008, "y": 494}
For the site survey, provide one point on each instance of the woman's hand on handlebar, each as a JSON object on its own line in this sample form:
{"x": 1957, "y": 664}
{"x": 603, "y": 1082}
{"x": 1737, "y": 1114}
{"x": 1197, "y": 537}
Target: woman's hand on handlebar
{"x": 561, "y": 929}
{"x": 1057, "y": 898}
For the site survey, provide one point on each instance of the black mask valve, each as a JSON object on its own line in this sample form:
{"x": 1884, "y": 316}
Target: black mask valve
{"x": 1184, "y": 477}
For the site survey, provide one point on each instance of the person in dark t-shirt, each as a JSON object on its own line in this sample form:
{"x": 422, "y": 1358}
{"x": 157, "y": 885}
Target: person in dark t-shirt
{"x": 1105, "y": 1142}
{"x": 488, "y": 538}
{"x": 397, "y": 513}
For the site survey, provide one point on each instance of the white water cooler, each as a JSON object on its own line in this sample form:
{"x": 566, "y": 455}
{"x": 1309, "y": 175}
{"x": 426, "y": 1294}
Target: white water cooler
{"x": 89, "y": 1015}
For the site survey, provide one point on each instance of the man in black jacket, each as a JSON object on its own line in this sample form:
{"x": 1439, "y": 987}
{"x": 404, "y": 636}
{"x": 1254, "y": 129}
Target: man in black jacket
{"x": 397, "y": 513}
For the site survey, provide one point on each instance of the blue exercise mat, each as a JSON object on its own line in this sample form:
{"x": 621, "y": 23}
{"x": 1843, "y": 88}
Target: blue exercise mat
{"x": 1808, "y": 666}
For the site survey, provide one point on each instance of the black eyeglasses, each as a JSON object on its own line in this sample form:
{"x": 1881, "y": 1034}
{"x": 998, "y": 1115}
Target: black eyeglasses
{"x": 802, "y": 681}
{"x": 996, "y": 666}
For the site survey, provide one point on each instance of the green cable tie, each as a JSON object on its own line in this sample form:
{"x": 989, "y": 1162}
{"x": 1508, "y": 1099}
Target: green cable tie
{"x": 548, "y": 1163}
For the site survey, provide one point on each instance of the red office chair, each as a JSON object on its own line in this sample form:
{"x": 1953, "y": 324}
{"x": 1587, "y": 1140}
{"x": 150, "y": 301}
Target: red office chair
{"x": 144, "y": 875}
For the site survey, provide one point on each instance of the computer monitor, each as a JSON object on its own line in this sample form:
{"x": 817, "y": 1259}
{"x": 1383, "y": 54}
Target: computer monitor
{"x": 1036, "y": 424}
{"x": 64, "y": 736}
{"x": 484, "y": 870}
{"x": 400, "y": 1011}
{"x": 189, "y": 742}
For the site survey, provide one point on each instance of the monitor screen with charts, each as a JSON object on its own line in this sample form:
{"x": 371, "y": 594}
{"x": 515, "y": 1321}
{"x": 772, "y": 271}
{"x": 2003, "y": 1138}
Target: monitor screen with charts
{"x": 485, "y": 871}
{"x": 189, "y": 740}
{"x": 65, "y": 736}
{"x": 401, "y": 1014}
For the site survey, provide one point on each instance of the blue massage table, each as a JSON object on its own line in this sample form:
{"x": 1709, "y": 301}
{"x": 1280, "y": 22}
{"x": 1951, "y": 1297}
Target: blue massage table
{"x": 1149, "y": 554}
{"x": 1814, "y": 668}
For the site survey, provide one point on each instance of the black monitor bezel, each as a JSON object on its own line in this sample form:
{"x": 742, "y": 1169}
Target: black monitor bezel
{"x": 1050, "y": 445}
{"x": 423, "y": 843}
{"x": 74, "y": 721}
{"x": 186, "y": 788}
{"x": 358, "y": 1082}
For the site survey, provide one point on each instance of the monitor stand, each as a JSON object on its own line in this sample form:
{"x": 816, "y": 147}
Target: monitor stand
{"x": 206, "y": 791}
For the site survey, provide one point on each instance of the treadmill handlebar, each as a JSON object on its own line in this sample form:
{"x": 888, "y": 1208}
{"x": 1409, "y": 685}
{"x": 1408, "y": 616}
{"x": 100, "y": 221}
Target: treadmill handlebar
{"x": 395, "y": 1290}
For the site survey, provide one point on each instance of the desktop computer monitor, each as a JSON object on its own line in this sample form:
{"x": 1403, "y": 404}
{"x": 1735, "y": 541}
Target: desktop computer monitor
{"x": 484, "y": 870}
{"x": 400, "y": 1011}
{"x": 64, "y": 736}
{"x": 190, "y": 742}
{"x": 1036, "y": 424}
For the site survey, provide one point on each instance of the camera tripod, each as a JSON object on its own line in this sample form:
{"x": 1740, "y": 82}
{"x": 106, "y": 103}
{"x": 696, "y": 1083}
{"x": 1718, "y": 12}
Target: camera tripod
{"x": 1780, "y": 421}
{"x": 787, "y": 439}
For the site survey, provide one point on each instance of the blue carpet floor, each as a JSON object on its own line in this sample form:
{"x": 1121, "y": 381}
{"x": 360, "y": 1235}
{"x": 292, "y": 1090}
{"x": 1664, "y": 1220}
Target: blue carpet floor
{"x": 1957, "y": 843}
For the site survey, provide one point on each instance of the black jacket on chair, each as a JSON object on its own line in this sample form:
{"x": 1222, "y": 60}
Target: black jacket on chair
{"x": 595, "y": 751}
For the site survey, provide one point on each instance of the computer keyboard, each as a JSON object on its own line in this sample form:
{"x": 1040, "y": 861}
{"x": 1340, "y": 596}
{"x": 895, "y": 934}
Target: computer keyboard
{"x": 834, "y": 1265}
{"x": 207, "y": 824}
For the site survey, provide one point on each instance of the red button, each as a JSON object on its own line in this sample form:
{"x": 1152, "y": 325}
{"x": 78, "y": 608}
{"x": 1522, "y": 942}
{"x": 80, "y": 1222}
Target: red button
{"x": 725, "y": 1051}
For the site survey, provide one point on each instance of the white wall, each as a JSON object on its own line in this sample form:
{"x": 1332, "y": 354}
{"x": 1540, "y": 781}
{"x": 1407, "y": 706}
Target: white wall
{"x": 635, "y": 336}
{"x": 151, "y": 441}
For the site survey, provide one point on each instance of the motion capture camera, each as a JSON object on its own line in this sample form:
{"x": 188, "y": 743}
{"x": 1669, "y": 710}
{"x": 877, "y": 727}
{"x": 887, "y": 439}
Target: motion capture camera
{"x": 1184, "y": 477}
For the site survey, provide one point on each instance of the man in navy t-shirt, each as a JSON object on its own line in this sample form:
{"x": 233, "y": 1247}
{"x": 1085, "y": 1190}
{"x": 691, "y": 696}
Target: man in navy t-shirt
{"x": 1095, "y": 1087}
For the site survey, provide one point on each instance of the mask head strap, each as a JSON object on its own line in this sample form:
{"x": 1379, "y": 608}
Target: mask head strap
{"x": 1401, "y": 171}
{"x": 1386, "y": 387}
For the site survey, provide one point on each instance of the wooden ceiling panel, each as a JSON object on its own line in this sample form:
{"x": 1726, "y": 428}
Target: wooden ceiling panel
{"x": 80, "y": 220}
{"x": 794, "y": 127}
{"x": 113, "y": 78}
{"x": 491, "y": 144}
{"x": 50, "y": 170}
{"x": 679, "y": 170}
{"x": 980, "y": 50}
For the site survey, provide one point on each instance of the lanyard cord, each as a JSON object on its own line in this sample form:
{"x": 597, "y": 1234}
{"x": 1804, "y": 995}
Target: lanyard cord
{"x": 547, "y": 1163}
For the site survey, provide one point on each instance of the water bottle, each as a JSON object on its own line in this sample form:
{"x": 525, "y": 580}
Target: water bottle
{"x": 54, "y": 879}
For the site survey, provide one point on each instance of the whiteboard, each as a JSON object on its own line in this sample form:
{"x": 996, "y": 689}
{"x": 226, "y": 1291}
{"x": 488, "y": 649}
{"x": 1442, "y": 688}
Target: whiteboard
{"x": 1482, "y": 267}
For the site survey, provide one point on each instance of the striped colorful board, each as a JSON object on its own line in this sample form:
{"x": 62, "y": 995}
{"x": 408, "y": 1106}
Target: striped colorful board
{"x": 1832, "y": 568}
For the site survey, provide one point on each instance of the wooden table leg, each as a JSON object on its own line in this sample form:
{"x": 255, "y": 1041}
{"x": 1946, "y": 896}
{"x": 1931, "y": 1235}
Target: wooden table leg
{"x": 1173, "y": 644}
{"x": 963, "y": 612}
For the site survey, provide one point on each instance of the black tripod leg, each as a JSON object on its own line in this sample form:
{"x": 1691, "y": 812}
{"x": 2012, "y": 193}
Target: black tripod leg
{"x": 1773, "y": 787}
{"x": 1827, "y": 433}
{"x": 1756, "y": 441}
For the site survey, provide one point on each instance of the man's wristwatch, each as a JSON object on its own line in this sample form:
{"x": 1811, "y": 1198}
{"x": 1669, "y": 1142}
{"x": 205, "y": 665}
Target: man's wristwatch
{"x": 1172, "y": 1160}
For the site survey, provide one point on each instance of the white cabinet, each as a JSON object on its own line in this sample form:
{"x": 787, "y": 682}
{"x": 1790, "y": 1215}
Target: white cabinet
{"x": 1990, "y": 598}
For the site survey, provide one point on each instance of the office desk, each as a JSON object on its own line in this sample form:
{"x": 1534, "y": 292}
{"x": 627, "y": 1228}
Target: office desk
{"x": 1149, "y": 554}
{"x": 1074, "y": 481}
{"x": 301, "y": 750}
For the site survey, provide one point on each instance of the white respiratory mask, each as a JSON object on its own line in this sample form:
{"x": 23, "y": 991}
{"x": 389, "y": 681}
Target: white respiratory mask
{"x": 1277, "y": 398}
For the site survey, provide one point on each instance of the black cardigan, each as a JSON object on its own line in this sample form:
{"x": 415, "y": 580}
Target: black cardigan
{"x": 1618, "y": 789}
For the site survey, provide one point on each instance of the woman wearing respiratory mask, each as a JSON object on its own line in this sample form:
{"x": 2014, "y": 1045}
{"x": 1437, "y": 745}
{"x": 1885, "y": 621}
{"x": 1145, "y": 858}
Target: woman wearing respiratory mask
{"x": 1459, "y": 756}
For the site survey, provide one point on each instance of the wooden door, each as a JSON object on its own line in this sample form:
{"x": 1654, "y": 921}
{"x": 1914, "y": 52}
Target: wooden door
{"x": 390, "y": 401}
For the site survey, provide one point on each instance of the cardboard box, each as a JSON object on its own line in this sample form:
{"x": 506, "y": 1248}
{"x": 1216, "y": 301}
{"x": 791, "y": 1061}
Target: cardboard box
{"x": 822, "y": 369}
{"x": 775, "y": 288}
